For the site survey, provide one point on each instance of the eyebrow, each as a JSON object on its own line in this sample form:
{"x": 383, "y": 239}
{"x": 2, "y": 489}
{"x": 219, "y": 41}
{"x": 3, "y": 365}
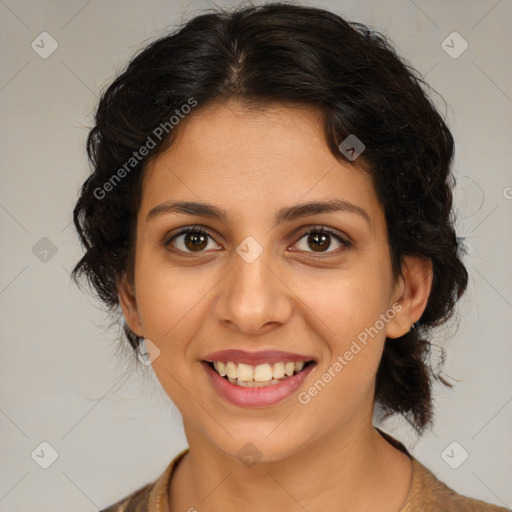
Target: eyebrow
{"x": 286, "y": 214}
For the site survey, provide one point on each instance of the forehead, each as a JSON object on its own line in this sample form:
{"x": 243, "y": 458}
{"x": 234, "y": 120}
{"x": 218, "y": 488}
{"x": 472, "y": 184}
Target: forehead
{"x": 222, "y": 134}
{"x": 233, "y": 156}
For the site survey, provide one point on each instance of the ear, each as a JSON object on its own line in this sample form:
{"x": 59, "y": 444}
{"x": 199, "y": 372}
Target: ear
{"x": 128, "y": 303}
{"x": 411, "y": 293}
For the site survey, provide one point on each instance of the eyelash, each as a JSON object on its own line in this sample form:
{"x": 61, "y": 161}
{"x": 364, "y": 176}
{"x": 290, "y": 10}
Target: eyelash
{"x": 317, "y": 229}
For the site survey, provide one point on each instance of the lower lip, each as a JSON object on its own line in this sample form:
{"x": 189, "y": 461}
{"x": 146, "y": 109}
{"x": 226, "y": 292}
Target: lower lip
{"x": 256, "y": 397}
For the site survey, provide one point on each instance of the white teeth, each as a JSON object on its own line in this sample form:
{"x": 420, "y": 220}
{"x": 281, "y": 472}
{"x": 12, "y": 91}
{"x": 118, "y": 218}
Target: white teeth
{"x": 253, "y": 384}
{"x": 221, "y": 369}
{"x": 278, "y": 370}
{"x": 245, "y": 372}
{"x": 289, "y": 368}
{"x": 231, "y": 370}
{"x": 261, "y": 374}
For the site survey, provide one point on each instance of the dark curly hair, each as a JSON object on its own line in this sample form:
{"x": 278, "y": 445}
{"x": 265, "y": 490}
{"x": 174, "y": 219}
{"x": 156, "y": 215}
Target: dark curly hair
{"x": 304, "y": 56}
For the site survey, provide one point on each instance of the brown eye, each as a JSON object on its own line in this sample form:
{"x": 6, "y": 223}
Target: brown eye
{"x": 190, "y": 240}
{"x": 195, "y": 241}
{"x": 319, "y": 240}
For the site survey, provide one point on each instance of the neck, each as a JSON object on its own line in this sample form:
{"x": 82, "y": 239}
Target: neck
{"x": 350, "y": 469}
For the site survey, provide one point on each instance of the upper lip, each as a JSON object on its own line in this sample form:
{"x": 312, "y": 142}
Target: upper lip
{"x": 255, "y": 358}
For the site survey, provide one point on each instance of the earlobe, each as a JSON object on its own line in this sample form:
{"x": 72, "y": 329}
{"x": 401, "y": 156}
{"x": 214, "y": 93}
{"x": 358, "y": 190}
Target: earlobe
{"x": 412, "y": 294}
{"x": 128, "y": 303}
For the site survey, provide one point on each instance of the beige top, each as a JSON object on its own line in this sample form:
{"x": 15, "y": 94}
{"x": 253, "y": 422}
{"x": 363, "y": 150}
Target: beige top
{"x": 426, "y": 493}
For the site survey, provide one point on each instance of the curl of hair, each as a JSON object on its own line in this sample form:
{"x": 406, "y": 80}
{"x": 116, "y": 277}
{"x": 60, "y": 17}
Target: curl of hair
{"x": 304, "y": 56}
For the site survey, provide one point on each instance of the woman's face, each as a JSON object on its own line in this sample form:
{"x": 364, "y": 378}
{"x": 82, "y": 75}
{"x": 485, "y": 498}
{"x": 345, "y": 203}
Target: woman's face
{"x": 262, "y": 279}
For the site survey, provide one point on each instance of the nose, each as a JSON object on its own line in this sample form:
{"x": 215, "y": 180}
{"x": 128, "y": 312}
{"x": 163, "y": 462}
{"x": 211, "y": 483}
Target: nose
{"x": 252, "y": 297}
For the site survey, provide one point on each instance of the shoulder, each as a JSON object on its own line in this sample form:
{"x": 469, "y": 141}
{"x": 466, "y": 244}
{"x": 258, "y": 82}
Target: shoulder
{"x": 428, "y": 494}
{"x": 152, "y": 497}
{"x": 137, "y": 501}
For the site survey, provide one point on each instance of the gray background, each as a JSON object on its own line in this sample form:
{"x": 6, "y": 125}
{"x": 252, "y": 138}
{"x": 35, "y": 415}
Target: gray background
{"x": 66, "y": 381}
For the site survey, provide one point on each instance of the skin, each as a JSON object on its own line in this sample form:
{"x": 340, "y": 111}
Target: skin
{"x": 290, "y": 298}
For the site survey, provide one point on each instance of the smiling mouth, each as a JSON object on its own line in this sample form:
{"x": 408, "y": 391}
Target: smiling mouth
{"x": 262, "y": 375}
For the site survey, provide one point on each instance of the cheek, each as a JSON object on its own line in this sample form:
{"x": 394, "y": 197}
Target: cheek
{"x": 344, "y": 316}
{"x": 344, "y": 304}
{"x": 344, "y": 311}
{"x": 171, "y": 304}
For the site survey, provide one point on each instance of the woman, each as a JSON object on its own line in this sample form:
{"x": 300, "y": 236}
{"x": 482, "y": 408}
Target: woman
{"x": 270, "y": 209}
